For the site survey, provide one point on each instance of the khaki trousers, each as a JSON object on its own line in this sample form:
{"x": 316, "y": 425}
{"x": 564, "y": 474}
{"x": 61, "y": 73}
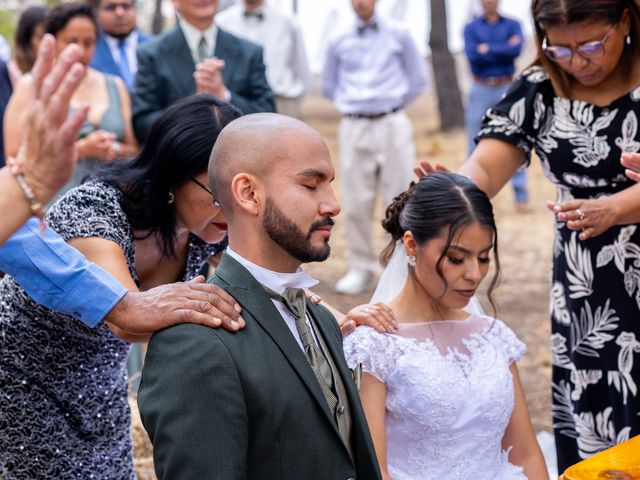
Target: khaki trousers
{"x": 374, "y": 154}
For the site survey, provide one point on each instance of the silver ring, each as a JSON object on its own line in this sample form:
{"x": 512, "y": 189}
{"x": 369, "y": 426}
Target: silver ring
{"x": 580, "y": 214}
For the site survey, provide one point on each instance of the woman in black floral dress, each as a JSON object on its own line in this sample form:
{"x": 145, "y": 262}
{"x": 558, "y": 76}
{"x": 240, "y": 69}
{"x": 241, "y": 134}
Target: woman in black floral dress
{"x": 63, "y": 390}
{"x": 578, "y": 108}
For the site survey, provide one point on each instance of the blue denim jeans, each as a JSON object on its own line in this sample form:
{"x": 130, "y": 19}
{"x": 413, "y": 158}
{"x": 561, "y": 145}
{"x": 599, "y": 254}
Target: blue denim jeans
{"x": 481, "y": 99}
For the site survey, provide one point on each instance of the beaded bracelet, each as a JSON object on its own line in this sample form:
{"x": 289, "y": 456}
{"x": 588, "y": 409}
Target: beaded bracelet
{"x": 35, "y": 206}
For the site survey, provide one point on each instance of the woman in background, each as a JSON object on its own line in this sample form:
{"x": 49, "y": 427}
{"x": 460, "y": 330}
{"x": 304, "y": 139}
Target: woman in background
{"x": 107, "y": 134}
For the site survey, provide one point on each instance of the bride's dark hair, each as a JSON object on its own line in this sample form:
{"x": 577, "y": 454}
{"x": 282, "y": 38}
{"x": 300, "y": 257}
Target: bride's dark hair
{"x": 440, "y": 203}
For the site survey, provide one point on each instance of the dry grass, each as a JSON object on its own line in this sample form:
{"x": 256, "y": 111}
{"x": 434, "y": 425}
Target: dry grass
{"x": 525, "y": 253}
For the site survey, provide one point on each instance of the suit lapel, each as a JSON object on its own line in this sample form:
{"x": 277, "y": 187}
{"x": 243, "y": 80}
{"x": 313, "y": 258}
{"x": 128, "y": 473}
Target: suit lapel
{"x": 226, "y": 50}
{"x": 181, "y": 61}
{"x": 254, "y": 300}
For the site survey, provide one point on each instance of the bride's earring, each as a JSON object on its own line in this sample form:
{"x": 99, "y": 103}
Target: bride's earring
{"x": 411, "y": 260}
{"x": 170, "y": 198}
{"x": 628, "y": 39}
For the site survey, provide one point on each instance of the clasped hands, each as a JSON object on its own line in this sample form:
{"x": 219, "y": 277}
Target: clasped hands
{"x": 208, "y": 78}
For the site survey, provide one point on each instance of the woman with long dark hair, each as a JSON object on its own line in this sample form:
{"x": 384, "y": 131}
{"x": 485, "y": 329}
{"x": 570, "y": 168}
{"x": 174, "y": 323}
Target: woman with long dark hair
{"x": 148, "y": 221}
{"x": 442, "y": 395}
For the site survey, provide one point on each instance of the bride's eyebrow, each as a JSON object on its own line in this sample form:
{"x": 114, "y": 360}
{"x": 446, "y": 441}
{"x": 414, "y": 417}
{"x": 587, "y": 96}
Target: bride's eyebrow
{"x": 466, "y": 250}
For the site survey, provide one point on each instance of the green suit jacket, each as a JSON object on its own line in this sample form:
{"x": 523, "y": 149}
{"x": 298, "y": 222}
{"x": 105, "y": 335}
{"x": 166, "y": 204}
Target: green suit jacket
{"x": 165, "y": 74}
{"x": 246, "y": 405}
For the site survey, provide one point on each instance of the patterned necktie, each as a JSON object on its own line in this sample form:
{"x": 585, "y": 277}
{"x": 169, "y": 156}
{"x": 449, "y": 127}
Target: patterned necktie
{"x": 125, "y": 70}
{"x": 203, "y": 51}
{"x": 296, "y": 302}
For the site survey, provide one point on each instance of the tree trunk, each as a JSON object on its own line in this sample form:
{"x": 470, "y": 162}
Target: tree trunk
{"x": 444, "y": 70}
{"x": 158, "y": 20}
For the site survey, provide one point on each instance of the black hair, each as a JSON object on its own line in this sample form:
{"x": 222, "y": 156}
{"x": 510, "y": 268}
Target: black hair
{"x": 60, "y": 15}
{"x": 177, "y": 149}
{"x": 440, "y": 203}
{"x": 27, "y": 24}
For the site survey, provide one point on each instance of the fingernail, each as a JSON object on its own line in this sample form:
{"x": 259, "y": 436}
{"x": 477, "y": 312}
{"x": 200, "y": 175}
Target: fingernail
{"x": 556, "y": 208}
{"x": 237, "y": 307}
{"x": 217, "y": 321}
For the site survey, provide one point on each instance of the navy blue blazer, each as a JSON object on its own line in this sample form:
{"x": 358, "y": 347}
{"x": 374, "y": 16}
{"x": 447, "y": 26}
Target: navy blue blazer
{"x": 103, "y": 60}
{"x": 165, "y": 74}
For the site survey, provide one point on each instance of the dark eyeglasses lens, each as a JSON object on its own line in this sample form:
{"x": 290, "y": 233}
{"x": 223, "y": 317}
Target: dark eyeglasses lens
{"x": 591, "y": 50}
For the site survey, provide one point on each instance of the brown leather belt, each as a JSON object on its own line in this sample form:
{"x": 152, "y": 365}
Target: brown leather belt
{"x": 372, "y": 116}
{"x": 493, "y": 81}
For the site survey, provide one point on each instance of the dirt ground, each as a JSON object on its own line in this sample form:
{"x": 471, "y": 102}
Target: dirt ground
{"x": 525, "y": 242}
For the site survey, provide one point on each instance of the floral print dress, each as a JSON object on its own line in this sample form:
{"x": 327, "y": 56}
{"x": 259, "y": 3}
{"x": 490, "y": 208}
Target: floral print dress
{"x": 595, "y": 289}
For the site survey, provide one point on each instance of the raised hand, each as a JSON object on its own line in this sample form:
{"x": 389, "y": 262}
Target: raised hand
{"x": 425, "y": 168}
{"x": 47, "y": 154}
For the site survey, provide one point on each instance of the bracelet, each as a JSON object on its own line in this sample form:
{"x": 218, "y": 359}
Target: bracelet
{"x": 35, "y": 206}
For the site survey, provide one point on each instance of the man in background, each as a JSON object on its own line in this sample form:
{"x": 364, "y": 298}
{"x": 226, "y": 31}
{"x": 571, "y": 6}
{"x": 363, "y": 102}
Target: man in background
{"x": 197, "y": 57}
{"x": 118, "y": 39}
{"x": 284, "y": 51}
{"x": 492, "y": 43}
{"x": 372, "y": 72}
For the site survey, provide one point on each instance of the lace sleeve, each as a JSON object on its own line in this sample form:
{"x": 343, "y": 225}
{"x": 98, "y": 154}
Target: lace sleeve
{"x": 372, "y": 349}
{"x": 507, "y": 339}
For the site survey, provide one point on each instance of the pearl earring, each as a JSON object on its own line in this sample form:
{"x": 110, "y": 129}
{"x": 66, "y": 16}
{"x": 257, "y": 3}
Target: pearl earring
{"x": 628, "y": 39}
{"x": 411, "y": 260}
{"x": 170, "y": 198}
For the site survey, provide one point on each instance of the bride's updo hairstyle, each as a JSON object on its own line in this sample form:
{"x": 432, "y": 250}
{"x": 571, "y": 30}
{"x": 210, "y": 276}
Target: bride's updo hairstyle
{"x": 440, "y": 203}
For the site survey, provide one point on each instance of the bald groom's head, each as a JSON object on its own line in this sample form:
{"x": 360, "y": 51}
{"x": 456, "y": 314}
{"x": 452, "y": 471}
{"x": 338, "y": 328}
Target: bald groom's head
{"x": 255, "y": 144}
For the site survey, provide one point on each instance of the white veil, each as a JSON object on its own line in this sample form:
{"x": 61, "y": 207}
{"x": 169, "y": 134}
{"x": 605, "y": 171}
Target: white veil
{"x": 395, "y": 276}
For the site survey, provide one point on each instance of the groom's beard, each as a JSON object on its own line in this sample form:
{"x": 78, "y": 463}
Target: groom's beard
{"x": 291, "y": 238}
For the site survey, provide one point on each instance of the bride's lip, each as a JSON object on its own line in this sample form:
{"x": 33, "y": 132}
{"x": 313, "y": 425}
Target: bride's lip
{"x": 467, "y": 293}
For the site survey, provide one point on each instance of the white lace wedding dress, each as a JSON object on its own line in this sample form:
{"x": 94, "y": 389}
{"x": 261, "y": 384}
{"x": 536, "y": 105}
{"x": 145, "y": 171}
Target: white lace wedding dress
{"x": 449, "y": 396}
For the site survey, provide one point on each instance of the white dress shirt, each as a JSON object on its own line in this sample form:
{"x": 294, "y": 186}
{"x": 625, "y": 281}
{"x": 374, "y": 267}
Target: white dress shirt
{"x": 193, "y": 35}
{"x": 130, "y": 45}
{"x": 279, "y": 282}
{"x": 375, "y": 71}
{"x": 279, "y": 35}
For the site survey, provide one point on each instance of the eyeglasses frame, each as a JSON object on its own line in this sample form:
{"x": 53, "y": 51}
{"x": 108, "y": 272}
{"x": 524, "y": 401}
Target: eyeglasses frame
{"x": 546, "y": 48}
{"x": 207, "y": 189}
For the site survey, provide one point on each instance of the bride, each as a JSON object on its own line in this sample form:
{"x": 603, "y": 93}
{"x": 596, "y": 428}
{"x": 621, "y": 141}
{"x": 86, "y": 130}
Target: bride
{"x": 442, "y": 395}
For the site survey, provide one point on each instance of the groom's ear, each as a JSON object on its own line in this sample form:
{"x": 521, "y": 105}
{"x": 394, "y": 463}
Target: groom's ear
{"x": 245, "y": 190}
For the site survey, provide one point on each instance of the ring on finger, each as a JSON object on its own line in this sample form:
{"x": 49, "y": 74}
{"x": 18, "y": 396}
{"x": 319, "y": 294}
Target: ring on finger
{"x": 580, "y": 214}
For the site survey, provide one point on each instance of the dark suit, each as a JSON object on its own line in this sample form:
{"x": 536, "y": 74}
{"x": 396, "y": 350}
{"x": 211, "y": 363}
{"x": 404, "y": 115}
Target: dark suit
{"x": 103, "y": 60}
{"x": 5, "y": 94}
{"x": 246, "y": 405}
{"x": 165, "y": 74}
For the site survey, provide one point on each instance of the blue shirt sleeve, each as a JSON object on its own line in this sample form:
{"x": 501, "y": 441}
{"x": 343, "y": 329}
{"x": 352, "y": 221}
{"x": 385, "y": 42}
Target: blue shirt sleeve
{"x": 58, "y": 276}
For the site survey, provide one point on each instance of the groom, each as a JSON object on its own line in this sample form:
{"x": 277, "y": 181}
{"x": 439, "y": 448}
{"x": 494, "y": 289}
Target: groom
{"x": 276, "y": 400}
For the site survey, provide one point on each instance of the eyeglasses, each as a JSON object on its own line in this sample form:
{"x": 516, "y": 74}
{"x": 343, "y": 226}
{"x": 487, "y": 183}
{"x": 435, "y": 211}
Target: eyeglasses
{"x": 208, "y": 190}
{"x": 588, "y": 51}
{"x": 112, "y": 7}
